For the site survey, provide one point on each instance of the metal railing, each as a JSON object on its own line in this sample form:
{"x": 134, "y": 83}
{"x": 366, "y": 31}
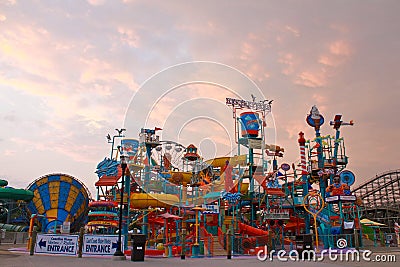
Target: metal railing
{"x": 13, "y": 237}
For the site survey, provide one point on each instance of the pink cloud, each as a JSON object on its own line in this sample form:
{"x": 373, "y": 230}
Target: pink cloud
{"x": 246, "y": 51}
{"x": 287, "y": 59}
{"x": 256, "y": 72}
{"x": 340, "y": 28}
{"x": 319, "y": 98}
{"x": 340, "y": 48}
{"x": 129, "y": 37}
{"x": 293, "y": 30}
{"x": 312, "y": 79}
{"x": 96, "y": 2}
{"x": 338, "y": 52}
{"x": 328, "y": 61}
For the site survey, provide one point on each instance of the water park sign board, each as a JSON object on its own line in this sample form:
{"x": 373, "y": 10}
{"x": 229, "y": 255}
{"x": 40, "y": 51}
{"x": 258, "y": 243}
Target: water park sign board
{"x": 100, "y": 245}
{"x": 56, "y": 244}
{"x": 350, "y": 198}
{"x": 210, "y": 209}
{"x": 262, "y": 105}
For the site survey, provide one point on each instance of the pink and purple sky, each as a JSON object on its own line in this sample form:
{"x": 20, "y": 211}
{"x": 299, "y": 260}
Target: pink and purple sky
{"x": 69, "y": 69}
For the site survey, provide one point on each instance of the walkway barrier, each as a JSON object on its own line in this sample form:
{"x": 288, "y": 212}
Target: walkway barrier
{"x": 13, "y": 237}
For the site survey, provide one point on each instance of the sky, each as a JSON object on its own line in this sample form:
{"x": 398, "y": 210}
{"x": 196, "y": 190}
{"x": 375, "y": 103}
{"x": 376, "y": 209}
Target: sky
{"x": 73, "y": 71}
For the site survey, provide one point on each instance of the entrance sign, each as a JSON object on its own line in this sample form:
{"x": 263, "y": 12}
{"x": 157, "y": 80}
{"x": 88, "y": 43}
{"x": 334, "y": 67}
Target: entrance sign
{"x": 100, "y": 245}
{"x": 56, "y": 244}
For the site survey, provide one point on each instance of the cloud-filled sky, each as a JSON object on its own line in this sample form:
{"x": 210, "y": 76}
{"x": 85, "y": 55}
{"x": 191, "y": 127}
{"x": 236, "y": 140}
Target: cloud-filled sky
{"x": 69, "y": 70}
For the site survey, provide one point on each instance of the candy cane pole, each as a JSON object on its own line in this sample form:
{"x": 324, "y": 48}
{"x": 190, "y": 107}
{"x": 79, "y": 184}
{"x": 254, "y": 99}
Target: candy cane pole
{"x": 304, "y": 174}
{"x": 302, "y": 144}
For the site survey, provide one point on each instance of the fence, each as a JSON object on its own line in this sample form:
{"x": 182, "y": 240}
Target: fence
{"x": 13, "y": 237}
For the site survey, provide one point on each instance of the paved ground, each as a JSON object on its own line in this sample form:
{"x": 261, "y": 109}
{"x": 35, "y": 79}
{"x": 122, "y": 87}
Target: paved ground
{"x": 16, "y": 258}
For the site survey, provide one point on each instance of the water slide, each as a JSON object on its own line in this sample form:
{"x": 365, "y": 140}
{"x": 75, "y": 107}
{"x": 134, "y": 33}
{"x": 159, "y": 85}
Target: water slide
{"x": 185, "y": 177}
{"x": 59, "y": 198}
{"x": 255, "y": 232}
{"x": 13, "y": 193}
{"x": 251, "y": 231}
{"x": 9, "y": 193}
{"x": 161, "y": 200}
{"x": 325, "y": 226}
{"x": 145, "y": 200}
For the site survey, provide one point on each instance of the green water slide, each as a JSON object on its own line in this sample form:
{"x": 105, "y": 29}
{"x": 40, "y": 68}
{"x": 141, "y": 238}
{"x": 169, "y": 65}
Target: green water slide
{"x": 13, "y": 193}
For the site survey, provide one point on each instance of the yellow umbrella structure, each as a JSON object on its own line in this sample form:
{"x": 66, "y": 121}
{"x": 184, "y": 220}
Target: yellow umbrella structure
{"x": 368, "y": 222}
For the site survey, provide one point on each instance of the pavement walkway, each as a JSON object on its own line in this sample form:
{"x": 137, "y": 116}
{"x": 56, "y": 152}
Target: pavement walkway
{"x": 10, "y": 256}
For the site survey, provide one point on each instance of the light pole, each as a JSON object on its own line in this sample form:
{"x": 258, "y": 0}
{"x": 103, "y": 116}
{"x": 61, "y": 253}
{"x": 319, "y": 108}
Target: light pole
{"x": 112, "y": 141}
{"x": 118, "y": 253}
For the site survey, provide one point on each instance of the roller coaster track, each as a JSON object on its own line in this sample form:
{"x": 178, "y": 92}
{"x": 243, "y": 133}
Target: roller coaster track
{"x": 380, "y": 196}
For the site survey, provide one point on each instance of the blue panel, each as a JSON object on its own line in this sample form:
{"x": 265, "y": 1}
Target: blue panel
{"x": 45, "y": 196}
{"x": 54, "y": 178}
{"x": 32, "y": 208}
{"x": 78, "y": 202}
{"x": 50, "y": 226}
{"x": 33, "y": 187}
{"x": 62, "y": 215}
{"x": 77, "y": 184}
{"x": 64, "y": 193}
{"x": 44, "y": 223}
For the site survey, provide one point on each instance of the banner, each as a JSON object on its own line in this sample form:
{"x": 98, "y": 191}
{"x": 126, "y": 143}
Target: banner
{"x": 210, "y": 209}
{"x": 130, "y": 147}
{"x": 56, "y": 244}
{"x": 100, "y": 245}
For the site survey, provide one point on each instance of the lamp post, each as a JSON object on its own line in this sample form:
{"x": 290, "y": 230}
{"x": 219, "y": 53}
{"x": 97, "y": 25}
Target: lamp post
{"x": 118, "y": 253}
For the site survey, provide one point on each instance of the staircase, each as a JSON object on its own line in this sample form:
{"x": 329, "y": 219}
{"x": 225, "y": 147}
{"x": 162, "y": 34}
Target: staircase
{"x": 218, "y": 249}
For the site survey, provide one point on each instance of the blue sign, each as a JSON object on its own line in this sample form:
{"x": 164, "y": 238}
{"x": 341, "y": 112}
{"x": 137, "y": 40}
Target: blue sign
{"x": 347, "y": 177}
{"x": 250, "y": 124}
{"x": 130, "y": 147}
{"x": 285, "y": 167}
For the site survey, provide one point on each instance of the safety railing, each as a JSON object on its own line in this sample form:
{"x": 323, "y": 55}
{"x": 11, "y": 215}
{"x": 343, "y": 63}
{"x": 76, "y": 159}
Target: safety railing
{"x": 13, "y": 237}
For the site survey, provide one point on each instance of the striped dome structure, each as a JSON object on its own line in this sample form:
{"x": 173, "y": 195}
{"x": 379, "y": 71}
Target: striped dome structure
{"x": 61, "y": 198}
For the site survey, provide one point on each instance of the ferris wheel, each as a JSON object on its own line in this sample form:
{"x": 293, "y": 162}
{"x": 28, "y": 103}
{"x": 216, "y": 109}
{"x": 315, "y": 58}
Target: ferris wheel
{"x": 168, "y": 155}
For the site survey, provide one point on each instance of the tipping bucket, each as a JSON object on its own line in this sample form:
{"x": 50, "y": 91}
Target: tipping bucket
{"x": 250, "y": 124}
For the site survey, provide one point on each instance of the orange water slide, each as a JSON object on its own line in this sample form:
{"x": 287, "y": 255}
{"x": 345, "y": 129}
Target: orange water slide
{"x": 251, "y": 231}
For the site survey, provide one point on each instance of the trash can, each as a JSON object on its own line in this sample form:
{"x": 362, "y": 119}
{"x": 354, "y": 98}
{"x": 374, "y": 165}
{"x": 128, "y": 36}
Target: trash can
{"x": 308, "y": 242}
{"x": 138, "y": 247}
{"x": 304, "y": 244}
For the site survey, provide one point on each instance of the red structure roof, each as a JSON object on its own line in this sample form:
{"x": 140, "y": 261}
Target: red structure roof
{"x": 109, "y": 180}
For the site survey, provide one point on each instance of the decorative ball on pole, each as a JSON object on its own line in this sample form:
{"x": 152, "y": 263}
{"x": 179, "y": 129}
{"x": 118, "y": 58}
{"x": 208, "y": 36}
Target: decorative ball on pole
{"x": 118, "y": 253}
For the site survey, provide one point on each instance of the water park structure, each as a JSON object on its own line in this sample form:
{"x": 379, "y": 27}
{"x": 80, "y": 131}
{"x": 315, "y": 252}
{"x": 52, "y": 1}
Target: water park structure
{"x": 183, "y": 204}
{"x": 179, "y": 200}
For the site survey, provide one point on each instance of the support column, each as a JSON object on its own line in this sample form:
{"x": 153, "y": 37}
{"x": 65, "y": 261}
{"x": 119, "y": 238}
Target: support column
{"x": 304, "y": 175}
